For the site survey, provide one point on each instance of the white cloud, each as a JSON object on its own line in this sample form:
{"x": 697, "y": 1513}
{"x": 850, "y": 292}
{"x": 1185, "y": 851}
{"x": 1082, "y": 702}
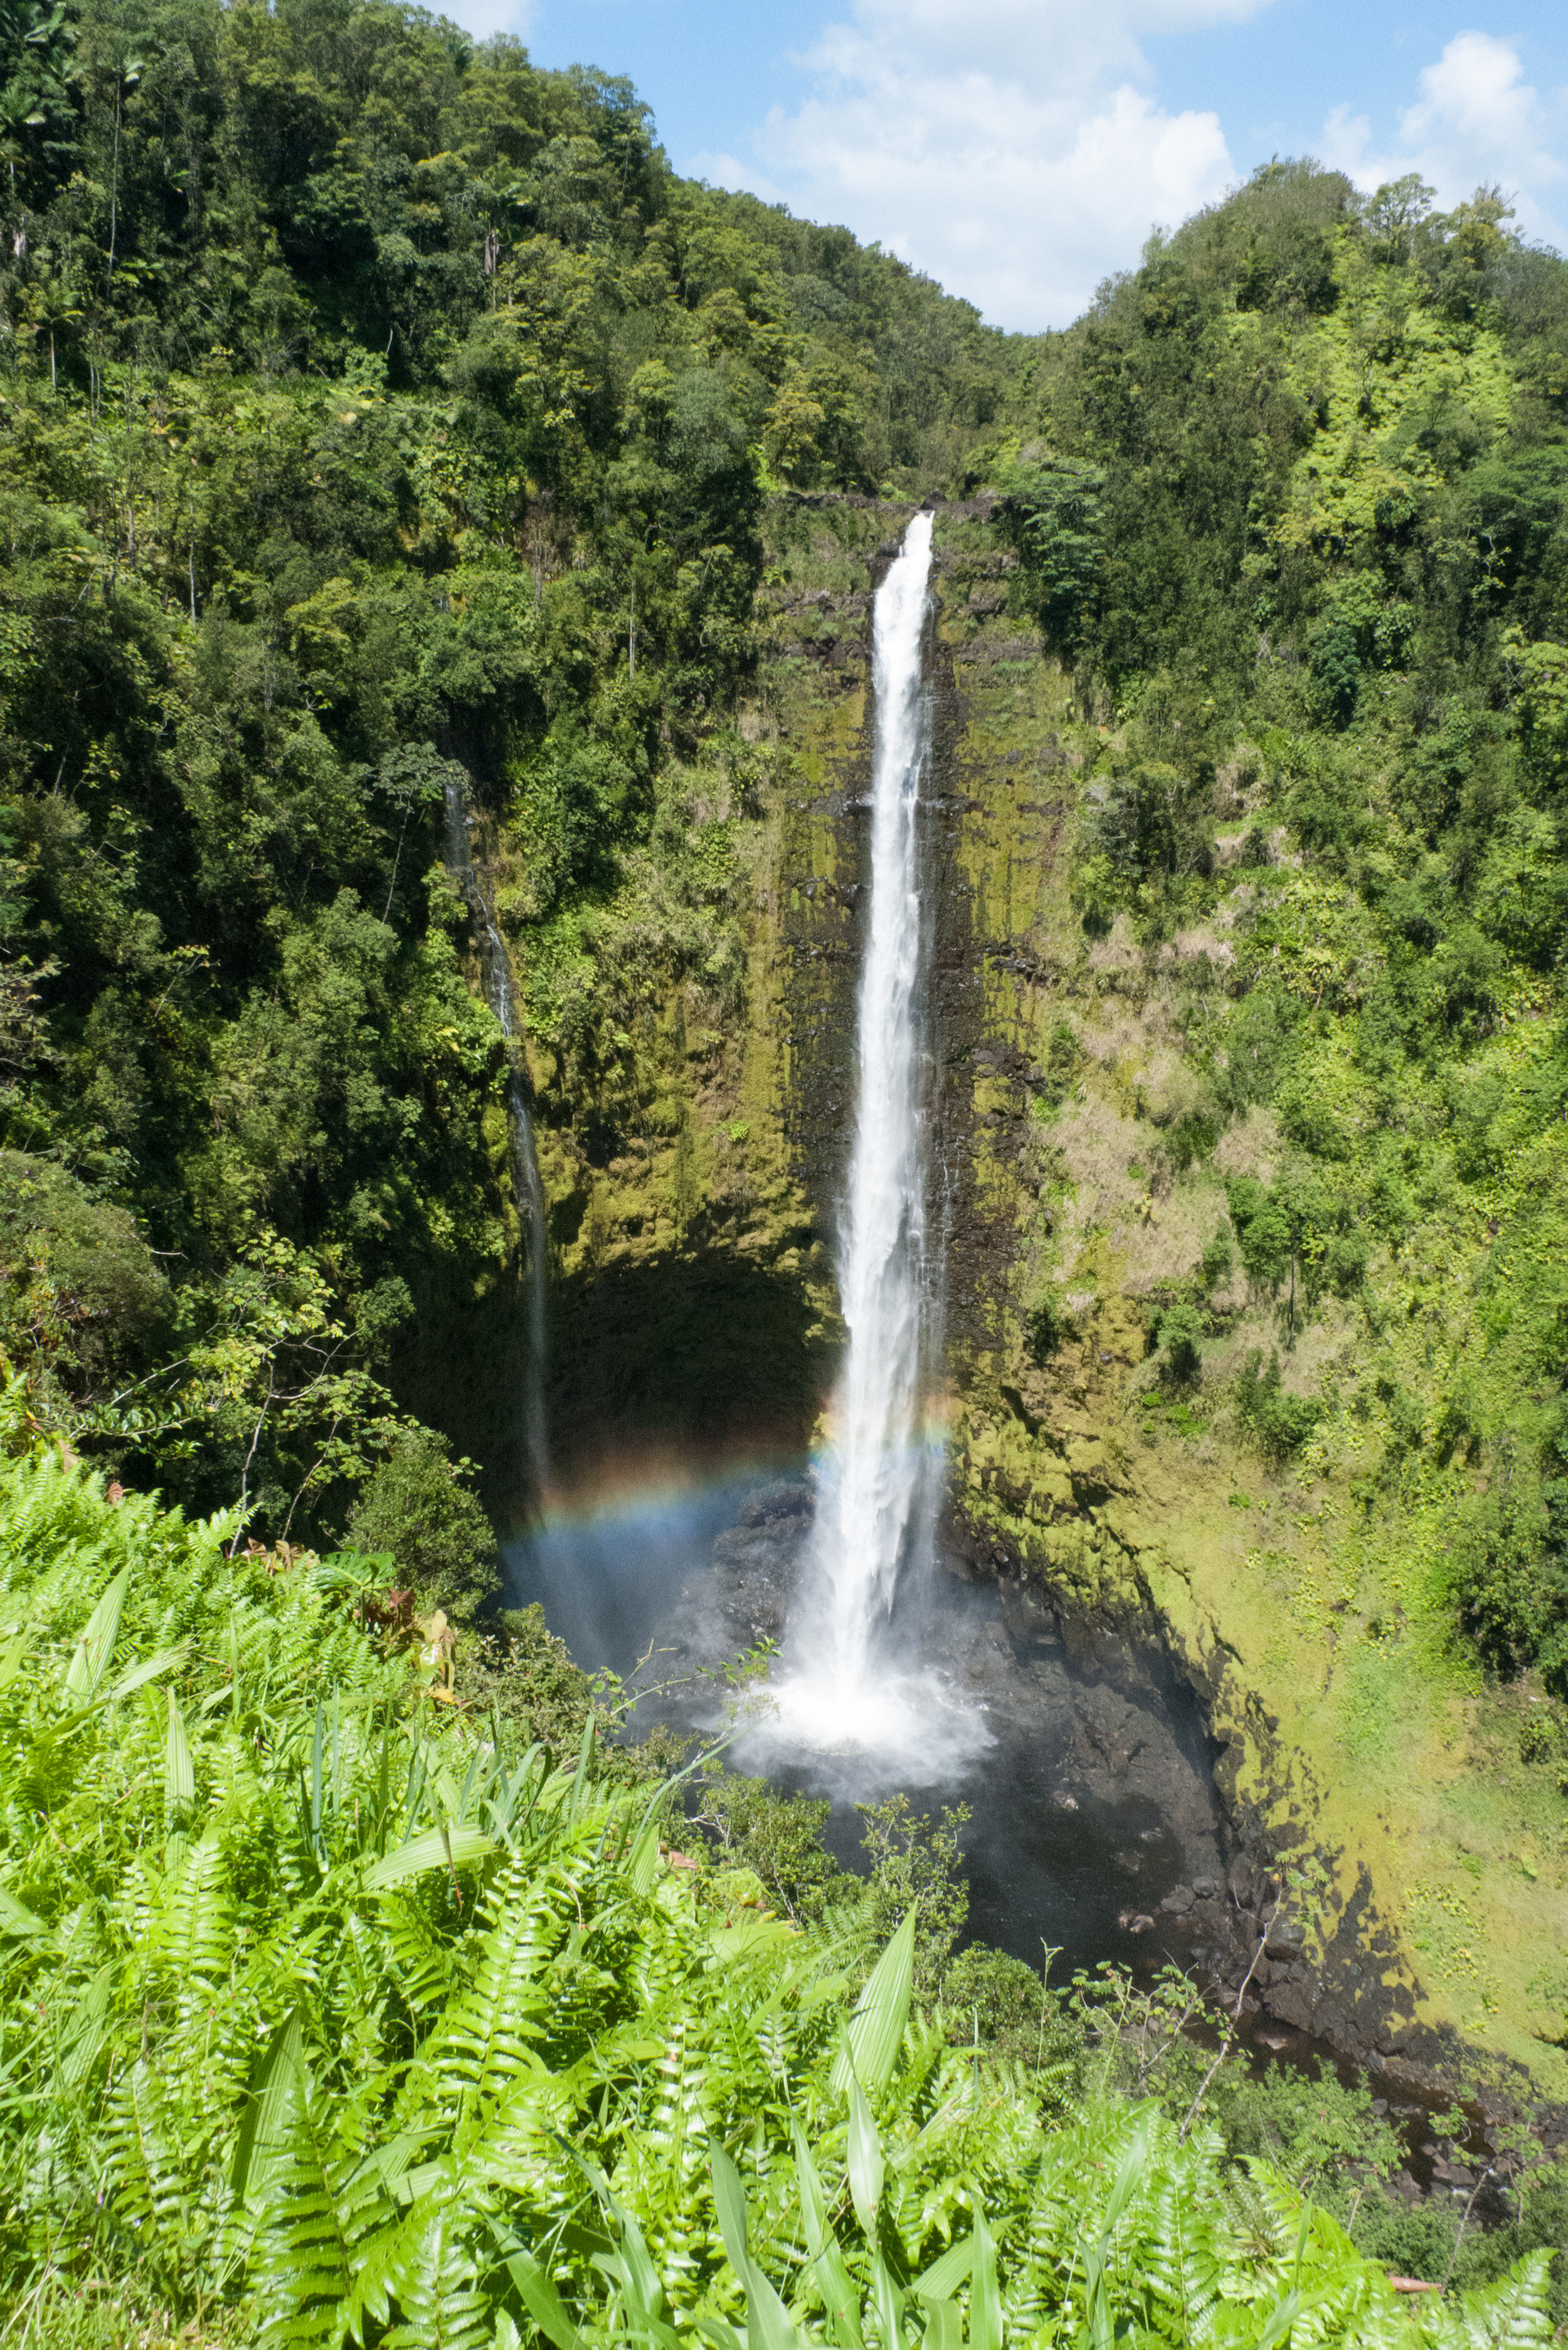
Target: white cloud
{"x": 1477, "y": 122}
{"x": 1011, "y": 149}
{"x": 484, "y": 17}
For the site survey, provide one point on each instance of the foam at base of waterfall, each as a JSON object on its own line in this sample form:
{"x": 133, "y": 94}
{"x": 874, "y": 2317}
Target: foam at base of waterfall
{"x": 911, "y": 1728}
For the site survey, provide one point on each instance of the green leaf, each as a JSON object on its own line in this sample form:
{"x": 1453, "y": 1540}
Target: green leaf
{"x": 875, "y": 2031}
{"x": 887, "y": 2302}
{"x": 984, "y": 2297}
{"x": 768, "y": 2322}
{"x": 140, "y": 1674}
{"x": 18, "y": 1922}
{"x": 437, "y": 1848}
{"x": 947, "y": 2272}
{"x": 95, "y": 1645}
{"x": 729, "y": 2202}
{"x": 944, "y": 2327}
{"x": 833, "y": 2281}
{"x": 866, "y": 2165}
{"x": 263, "y": 2125}
{"x": 179, "y": 1771}
{"x": 543, "y": 2302}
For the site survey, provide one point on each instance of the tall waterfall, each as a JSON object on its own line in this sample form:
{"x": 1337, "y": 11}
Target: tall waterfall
{"x": 843, "y": 1686}
{"x": 529, "y": 1190}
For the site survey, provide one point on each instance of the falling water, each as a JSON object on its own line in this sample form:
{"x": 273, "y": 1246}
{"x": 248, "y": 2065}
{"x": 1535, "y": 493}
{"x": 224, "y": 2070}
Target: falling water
{"x": 842, "y": 1687}
{"x": 530, "y": 1191}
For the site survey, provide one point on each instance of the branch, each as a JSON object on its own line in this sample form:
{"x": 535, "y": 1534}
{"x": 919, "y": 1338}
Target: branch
{"x": 1227, "y": 2038}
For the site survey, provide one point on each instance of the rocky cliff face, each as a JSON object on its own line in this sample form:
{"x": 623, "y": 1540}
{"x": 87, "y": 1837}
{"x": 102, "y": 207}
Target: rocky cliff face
{"x": 692, "y": 1194}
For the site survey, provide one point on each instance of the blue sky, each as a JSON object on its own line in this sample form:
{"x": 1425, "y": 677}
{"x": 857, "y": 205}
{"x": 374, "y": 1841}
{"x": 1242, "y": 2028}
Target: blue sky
{"x": 1020, "y": 150}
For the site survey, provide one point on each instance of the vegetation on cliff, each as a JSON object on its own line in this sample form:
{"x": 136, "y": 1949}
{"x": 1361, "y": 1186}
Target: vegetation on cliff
{"x": 1290, "y": 506}
{"x": 378, "y": 411}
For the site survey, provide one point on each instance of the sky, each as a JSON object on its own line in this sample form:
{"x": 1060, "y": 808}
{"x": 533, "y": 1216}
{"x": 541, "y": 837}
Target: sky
{"x": 1021, "y": 151}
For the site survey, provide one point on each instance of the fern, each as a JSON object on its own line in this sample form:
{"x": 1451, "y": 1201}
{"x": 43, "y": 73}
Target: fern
{"x": 322, "y": 2208}
{"x": 490, "y": 2101}
{"x": 144, "y": 2170}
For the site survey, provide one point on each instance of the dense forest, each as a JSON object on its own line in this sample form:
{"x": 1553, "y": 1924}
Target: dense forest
{"x": 383, "y": 420}
{"x": 374, "y": 405}
{"x": 1297, "y": 509}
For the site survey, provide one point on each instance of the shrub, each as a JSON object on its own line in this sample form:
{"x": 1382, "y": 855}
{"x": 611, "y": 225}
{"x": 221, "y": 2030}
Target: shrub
{"x": 1046, "y": 1324}
{"x": 1217, "y": 1259}
{"x": 1180, "y": 1338}
{"x": 81, "y": 1290}
{"x": 1279, "y": 1423}
{"x": 417, "y": 1506}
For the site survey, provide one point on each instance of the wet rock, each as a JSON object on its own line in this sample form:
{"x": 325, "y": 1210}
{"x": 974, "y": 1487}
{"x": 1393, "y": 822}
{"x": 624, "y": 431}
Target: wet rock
{"x": 1285, "y": 1938}
{"x": 786, "y": 1498}
{"x": 1178, "y": 1900}
{"x": 1205, "y": 1888}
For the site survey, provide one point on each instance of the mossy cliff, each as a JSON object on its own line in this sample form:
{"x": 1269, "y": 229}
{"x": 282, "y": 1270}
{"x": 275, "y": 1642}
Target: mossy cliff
{"x": 692, "y": 1156}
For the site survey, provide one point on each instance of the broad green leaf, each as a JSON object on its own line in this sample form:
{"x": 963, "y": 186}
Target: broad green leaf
{"x": 543, "y": 2302}
{"x": 875, "y": 2031}
{"x": 729, "y": 2202}
{"x": 944, "y": 2327}
{"x": 95, "y": 1645}
{"x": 1282, "y": 2318}
{"x": 580, "y": 1780}
{"x": 644, "y": 1862}
{"x": 150, "y": 1670}
{"x": 263, "y": 2125}
{"x": 769, "y": 2325}
{"x": 947, "y": 2272}
{"x": 12, "y": 1654}
{"x": 887, "y": 2303}
{"x": 18, "y": 1922}
{"x": 179, "y": 1771}
{"x": 437, "y": 1848}
{"x": 832, "y": 2281}
{"x": 984, "y": 2298}
{"x": 866, "y": 2164}
{"x": 813, "y": 2209}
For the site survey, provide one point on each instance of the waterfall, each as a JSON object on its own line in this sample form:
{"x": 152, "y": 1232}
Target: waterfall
{"x": 843, "y": 1685}
{"x": 530, "y": 1192}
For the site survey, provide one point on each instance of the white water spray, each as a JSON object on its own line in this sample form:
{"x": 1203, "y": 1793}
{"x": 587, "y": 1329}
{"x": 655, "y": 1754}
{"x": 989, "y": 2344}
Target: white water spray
{"x": 841, "y": 1688}
{"x": 529, "y": 1189}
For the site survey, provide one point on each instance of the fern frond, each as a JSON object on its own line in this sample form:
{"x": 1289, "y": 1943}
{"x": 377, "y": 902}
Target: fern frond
{"x": 1515, "y": 2315}
{"x": 321, "y": 2210}
{"x": 143, "y": 2168}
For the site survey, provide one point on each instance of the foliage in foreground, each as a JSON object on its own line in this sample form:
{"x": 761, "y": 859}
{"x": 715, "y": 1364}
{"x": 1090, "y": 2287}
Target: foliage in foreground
{"x": 321, "y": 2002}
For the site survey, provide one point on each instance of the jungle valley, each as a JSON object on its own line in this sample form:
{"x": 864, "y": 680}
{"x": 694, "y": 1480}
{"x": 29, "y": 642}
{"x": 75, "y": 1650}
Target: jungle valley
{"x": 390, "y": 442}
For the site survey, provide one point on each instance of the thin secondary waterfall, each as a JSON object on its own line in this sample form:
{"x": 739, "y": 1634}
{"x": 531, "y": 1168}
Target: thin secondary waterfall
{"x": 842, "y": 1687}
{"x": 530, "y": 1191}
